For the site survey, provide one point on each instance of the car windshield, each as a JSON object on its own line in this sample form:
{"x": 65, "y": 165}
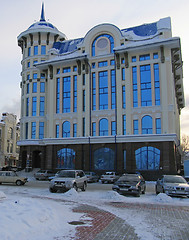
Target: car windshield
{"x": 128, "y": 178}
{"x": 174, "y": 179}
{"x": 69, "y": 174}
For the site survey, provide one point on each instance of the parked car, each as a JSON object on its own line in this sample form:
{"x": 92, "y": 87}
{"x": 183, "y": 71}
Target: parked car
{"x": 172, "y": 185}
{"x": 68, "y": 179}
{"x": 12, "y": 177}
{"x": 92, "y": 177}
{"x": 55, "y": 175}
{"x": 43, "y": 174}
{"x": 109, "y": 177}
{"x": 130, "y": 184}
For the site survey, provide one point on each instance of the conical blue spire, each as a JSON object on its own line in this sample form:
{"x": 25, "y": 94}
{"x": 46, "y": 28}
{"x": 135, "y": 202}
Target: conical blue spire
{"x": 42, "y": 14}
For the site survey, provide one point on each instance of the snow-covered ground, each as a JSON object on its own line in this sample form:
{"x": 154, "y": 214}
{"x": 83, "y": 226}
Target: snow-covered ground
{"x": 31, "y": 213}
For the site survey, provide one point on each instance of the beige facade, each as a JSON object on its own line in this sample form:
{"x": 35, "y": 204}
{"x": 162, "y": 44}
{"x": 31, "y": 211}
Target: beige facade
{"x": 9, "y": 136}
{"x": 113, "y": 91}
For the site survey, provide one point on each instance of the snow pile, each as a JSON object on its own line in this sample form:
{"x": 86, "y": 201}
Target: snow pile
{"x": 72, "y": 193}
{"x": 112, "y": 195}
{"x": 29, "y": 218}
{"x": 2, "y": 195}
{"x": 163, "y": 198}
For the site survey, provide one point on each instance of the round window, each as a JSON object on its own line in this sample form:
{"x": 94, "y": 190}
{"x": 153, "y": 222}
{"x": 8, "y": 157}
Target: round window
{"x": 102, "y": 43}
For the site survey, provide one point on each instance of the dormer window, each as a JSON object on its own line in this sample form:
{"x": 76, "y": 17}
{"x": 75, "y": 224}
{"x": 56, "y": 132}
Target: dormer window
{"x": 103, "y": 44}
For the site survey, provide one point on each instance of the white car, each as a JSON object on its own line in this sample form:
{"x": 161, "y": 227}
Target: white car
{"x": 68, "y": 179}
{"x": 109, "y": 177}
{"x": 12, "y": 177}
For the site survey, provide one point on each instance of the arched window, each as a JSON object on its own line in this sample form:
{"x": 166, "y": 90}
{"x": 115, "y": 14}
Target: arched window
{"x": 104, "y": 159}
{"x": 66, "y": 129}
{"x": 147, "y": 125}
{"x": 102, "y": 43}
{"x": 147, "y": 158}
{"x": 103, "y": 127}
{"x": 66, "y": 158}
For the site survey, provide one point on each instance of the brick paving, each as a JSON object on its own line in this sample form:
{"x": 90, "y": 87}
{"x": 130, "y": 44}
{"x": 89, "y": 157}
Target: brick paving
{"x": 168, "y": 222}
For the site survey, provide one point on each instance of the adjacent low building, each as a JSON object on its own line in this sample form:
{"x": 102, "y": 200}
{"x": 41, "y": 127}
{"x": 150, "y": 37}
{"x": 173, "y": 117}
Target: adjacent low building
{"x": 108, "y": 101}
{"x": 9, "y": 135}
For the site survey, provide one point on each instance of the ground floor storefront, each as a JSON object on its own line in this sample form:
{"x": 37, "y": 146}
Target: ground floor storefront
{"x": 152, "y": 159}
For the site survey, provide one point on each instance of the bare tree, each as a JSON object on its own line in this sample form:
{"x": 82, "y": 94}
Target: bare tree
{"x": 185, "y": 147}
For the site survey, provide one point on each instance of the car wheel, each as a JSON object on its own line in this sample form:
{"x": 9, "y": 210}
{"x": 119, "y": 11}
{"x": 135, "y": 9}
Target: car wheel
{"x": 52, "y": 190}
{"x": 138, "y": 193}
{"x": 84, "y": 187}
{"x": 75, "y": 186}
{"x": 144, "y": 190}
{"x": 18, "y": 183}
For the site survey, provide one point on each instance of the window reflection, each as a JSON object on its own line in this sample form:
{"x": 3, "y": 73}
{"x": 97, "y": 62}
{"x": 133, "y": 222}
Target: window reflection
{"x": 66, "y": 129}
{"x": 66, "y": 158}
{"x": 147, "y": 158}
{"x": 104, "y": 159}
{"x": 103, "y": 127}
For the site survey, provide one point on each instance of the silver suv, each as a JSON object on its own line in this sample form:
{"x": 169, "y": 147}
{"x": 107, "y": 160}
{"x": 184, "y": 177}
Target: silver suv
{"x": 43, "y": 174}
{"x": 12, "y": 177}
{"x": 68, "y": 179}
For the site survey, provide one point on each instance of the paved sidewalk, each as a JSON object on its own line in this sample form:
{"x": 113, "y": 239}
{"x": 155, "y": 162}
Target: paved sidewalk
{"x": 168, "y": 222}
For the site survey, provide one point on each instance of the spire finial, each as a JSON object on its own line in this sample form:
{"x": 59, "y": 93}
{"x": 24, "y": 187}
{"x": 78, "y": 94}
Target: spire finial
{"x": 42, "y": 14}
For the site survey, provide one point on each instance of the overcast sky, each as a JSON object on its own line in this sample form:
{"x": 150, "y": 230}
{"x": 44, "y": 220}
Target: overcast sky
{"x": 75, "y": 18}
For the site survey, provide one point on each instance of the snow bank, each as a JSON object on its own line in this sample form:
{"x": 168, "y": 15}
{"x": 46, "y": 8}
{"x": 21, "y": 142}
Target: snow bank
{"x": 163, "y": 198}
{"x": 2, "y": 195}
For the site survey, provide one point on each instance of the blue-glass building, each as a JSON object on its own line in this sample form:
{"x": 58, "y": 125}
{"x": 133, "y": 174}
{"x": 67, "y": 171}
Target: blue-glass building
{"x": 110, "y": 100}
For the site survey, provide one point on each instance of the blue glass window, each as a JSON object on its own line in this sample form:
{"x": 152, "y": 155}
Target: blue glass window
{"x": 158, "y": 125}
{"x": 66, "y": 158}
{"x": 103, "y": 64}
{"x": 26, "y": 131}
{"x": 42, "y": 75}
{"x": 41, "y": 130}
{"x": 103, "y": 127}
{"x": 93, "y": 91}
{"x": 123, "y": 98}
{"x": 113, "y": 128}
{"x": 57, "y": 130}
{"x": 34, "y": 89}
{"x": 75, "y": 130}
{"x": 83, "y": 79}
{"x": 58, "y": 71}
{"x": 113, "y": 89}
{"x": 103, "y": 90}
{"x": 75, "y": 68}
{"x": 93, "y": 129}
{"x": 134, "y": 59}
{"x": 58, "y": 95}
{"x": 28, "y": 64}
{"x": 124, "y": 159}
{"x": 35, "y": 76}
{"x": 27, "y": 107}
{"x": 83, "y": 127}
{"x": 66, "y": 129}
{"x": 147, "y": 158}
{"x": 42, "y": 87}
{"x": 135, "y": 127}
{"x": 145, "y": 81}
{"x": 34, "y": 106}
{"x": 33, "y": 130}
{"x": 135, "y": 88}
{"x": 156, "y": 83}
{"x": 123, "y": 60}
{"x": 29, "y": 51}
{"x": 43, "y": 50}
{"x": 104, "y": 159}
{"x": 144, "y": 57}
{"x": 83, "y": 100}
{"x": 112, "y": 62}
{"x": 123, "y": 74}
{"x": 66, "y": 69}
{"x": 147, "y": 125}
{"x": 103, "y": 35}
{"x": 28, "y": 88}
{"x": 155, "y": 55}
{"x": 66, "y": 94}
{"x": 28, "y": 77}
{"x": 124, "y": 124}
{"x": 42, "y": 106}
{"x": 35, "y": 50}
{"x": 75, "y": 94}
{"x": 93, "y": 65}
{"x": 35, "y": 62}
